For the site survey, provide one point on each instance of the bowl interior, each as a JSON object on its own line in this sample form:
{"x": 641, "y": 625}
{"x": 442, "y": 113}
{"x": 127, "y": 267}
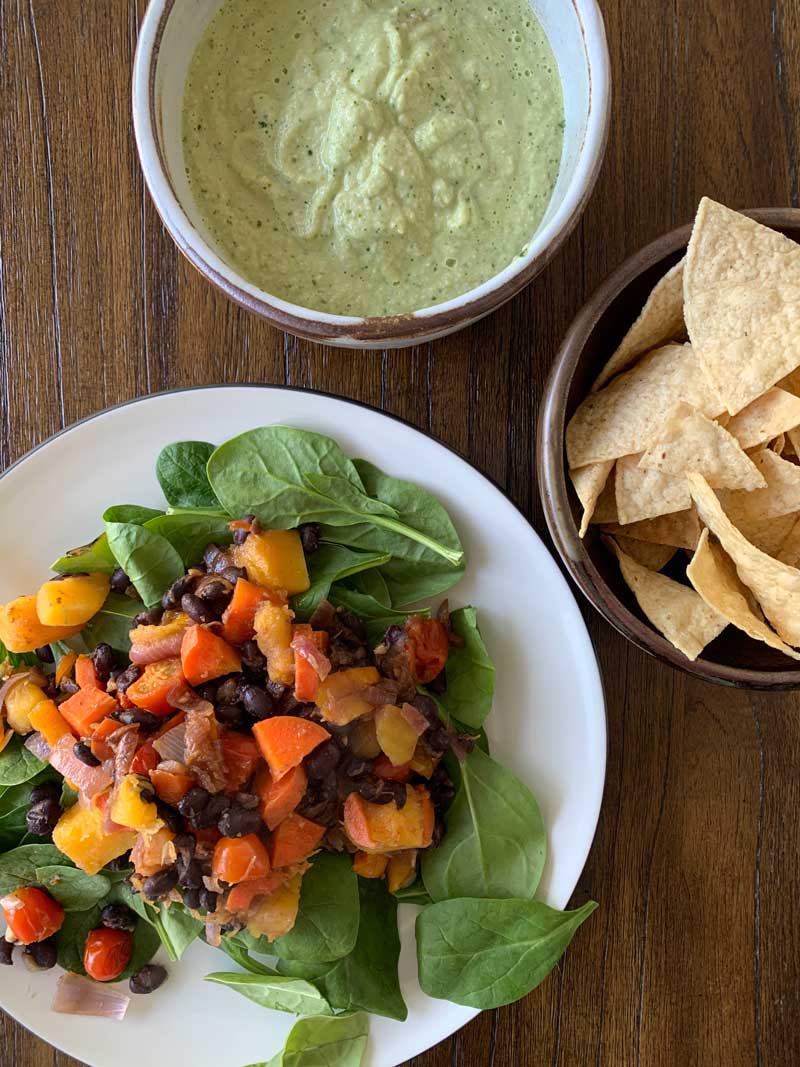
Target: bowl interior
{"x": 182, "y": 27}
{"x": 733, "y": 658}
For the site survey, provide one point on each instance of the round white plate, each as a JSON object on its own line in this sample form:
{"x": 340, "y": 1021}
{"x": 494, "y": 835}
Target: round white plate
{"x": 548, "y": 723}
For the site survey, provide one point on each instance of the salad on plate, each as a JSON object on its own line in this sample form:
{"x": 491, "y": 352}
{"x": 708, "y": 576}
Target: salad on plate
{"x": 254, "y": 717}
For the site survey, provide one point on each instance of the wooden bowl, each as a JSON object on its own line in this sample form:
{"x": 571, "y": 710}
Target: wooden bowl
{"x": 733, "y": 658}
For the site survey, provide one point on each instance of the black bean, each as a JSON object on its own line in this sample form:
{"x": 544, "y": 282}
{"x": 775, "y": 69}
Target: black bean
{"x": 198, "y": 609}
{"x": 145, "y": 720}
{"x": 247, "y": 800}
{"x": 211, "y": 813}
{"x": 148, "y": 618}
{"x": 69, "y": 686}
{"x": 252, "y": 657}
{"x": 233, "y": 574}
{"x": 439, "y": 830}
{"x": 236, "y": 822}
{"x": 257, "y": 701}
{"x": 427, "y": 707}
{"x": 354, "y": 767}
{"x": 159, "y": 886}
{"x": 190, "y": 875}
{"x": 128, "y": 677}
{"x": 45, "y": 791}
{"x": 323, "y": 760}
{"x": 185, "y": 845}
{"x": 191, "y": 898}
{"x": 309, "y": 537}
{"x": 290, "y": 704}
{"x": 169, "y": 816}
{"x": 439, "y": 684}
{"x": 6, "y": 953}
{"x": 103, "y": 660}
{"x": 43, "y": 953}
{"x": 174, "y": 595}
{"x": 217, "y": 591}
{"x": 275, "y": 689}
{"x": 121, "y": 863}
{"x": 375, "y": 790}
{"x": 228, "y": 690}
{"x": 211, "y": 555}
{"x": 232, "y": 715}
{"x": 193, "y": 802}
{"x": 208, "y": 691}
{"x": 119, "y": 581}
{"x": 41, "y": 818}
{"x": 240, "y": 536}
{"x": 118, "y": 917}
{"x": 45, "y": 654}
{"x": 208, "y": 900}
{"x": 393, "y": 635}
{"x": 84, "y": 753}
{"x": 148, "y": 979}
{"x": 437, "y": 740}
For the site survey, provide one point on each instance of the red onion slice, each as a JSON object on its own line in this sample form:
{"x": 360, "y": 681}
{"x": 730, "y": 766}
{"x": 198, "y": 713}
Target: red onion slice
{"x": 88, "y": 780}
{"x": 36, "y": 744}
{"x": 80, "y": 996}
{"x": 304, "y": 646}
{"x": 165, "y": 648}
{"x": 415, "y": 719}
{"x": 172, "y": 744}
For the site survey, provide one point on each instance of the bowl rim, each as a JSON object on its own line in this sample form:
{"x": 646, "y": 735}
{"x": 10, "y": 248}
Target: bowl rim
{"x": 322, "y": 326}
{"x": 552, "y": 470}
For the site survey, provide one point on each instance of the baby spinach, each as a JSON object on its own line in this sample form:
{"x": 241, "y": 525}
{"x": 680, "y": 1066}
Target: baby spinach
{"x": 176, "y": 927}
{"x": 113, "y": 622}
{"x": 73, "y": 889}
{"x": 134, "y": 513}
{"x": 329, "y": 564}
{"x": 189, "y": 533}
{"x": 182, "y": 475}
{"x": 377, "y": 618}
{"x": 495, "y": 843}
{"x": 18, "y": 867}
{"x": 328, "y": 918}
{"x": 18, "y": 764}
{"x": 324, "y": 1041}
{"x": 18, "y": 659}
{"x": 416, "y": 893}
{"x": 372, "y": 583}
{"x": 279, "y": 993}
{"x": 470, "y": 673}
{"x": 365, "y": 978}
{"x": 486, "y": 953}
{"x": 71, "y": 938}
{"x": 96, "y": 556}
{"x": 149, "y": 560}
{"x": 239, "y": 953}
{"x": 14, "y": 803}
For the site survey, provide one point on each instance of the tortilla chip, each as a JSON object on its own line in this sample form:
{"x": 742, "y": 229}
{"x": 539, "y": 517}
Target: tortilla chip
{"x": 646, "y": 494}
{"x": 780, "y": 495}
{"x": 768, "y": 534}
{"x": 694, "y": 443}
{"x": 775, "y": 585}
{"x": 681, "y": 530}
{"x": 789, "y": 551}
{"x": 793, "y": 438}
{"x": 791, "y": 383}
{"x": 742, "y": 303}
{"x": 629, "y": 414}
{"x": 606, "y": 507}
{"x": 678, "y": 612}
{"x": 589, "y": 483}
{"x": 714, "y": 577}
{"x": 767, "y": 417}
{"x": 654, "y": 557}
{"x": 661, "y": 320}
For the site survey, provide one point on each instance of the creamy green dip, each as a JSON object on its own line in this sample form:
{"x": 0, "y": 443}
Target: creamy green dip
{"x": 372, "y": 157}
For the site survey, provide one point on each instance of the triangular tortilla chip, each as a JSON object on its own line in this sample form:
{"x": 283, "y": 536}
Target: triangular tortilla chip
{"x": 677, "y": 611}
{"x": 629, "y": 415}
{"x": 742, "y": 303}
{"x": 654, "y": 557}
{"x": 682, "y": 529}
{"x": 694, "y": 443}
{"x": 714, "y": 577}
{"x": 775, "y": 585}
{"x": 646, "y": 494}
{"x": 789, "y": 551}
{"x": 661, "y": 320}
{"x": 768, "y": 534}
{"x": 780, "y": 495}
{"x": 589, "y": 483}
{"x": 766, "y": 417}
{"x": 606, "y": 507}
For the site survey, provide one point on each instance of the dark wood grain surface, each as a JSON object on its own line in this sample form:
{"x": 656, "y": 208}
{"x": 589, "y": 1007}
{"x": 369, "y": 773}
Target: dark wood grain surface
{"x": 694, "y": 955}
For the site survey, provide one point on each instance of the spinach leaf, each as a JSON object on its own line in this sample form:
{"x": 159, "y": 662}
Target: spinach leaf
{"x": 112, "y": 624}
{"x": 17, "y": 764}
{"x": 367, "y": 977}
{"x": 279, "y": 993}
{"x": 149, "y": 560}
{"x": 240, "y": 954}
{"x": 177, "y": 928}
{"x": 96, "y": 556}
{"x": 18, "y": 867}
{"x": 73, "y": 889}
{"x": 416, "y": 893}
{"x": 329, "y": 564}
{"x": 14, "y": 803}
{"x": 495, "y": 843}
{"x": 71, "y": 938}
{"x": 376, "y": 617}
{"x": 134, "y": 513}
{"x": 470, "y": 673}
{"x": 69, "y": 796}
{"x": 372, "y": 583}
{"x": 182, "y": 475}
{"x": 324, "y": 1041}
{"x": 287, "y": 476}
{"x": 486, "y": 953}
{"x": 328, "y": 918}
{"x": 18, "y": 659}
{"x": 189, "y": 533}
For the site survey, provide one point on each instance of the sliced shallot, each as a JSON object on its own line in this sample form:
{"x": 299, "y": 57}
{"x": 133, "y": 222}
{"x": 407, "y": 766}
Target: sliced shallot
{"x": 36, "y": 744}
{"x": 166, "y": 648}
{"x": 88, "y": 780}
{"x": 304, "y": 646}
{"x": 415, "y": 719}
{"x": 80, "y": 996}
{"x": 172, "y": 744}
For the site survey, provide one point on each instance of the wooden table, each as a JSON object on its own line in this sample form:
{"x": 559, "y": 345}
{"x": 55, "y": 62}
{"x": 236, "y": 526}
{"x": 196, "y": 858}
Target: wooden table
{"x": 694, "y": 956}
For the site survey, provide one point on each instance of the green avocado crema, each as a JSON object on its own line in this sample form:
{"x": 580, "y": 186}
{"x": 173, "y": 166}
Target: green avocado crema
{"x": 372, "y": 157}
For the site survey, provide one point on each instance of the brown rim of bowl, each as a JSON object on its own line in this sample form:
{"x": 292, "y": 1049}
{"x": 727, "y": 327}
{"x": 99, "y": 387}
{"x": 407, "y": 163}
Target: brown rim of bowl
{"x": 392, "y": 327}
{"x": 552, "y": 471}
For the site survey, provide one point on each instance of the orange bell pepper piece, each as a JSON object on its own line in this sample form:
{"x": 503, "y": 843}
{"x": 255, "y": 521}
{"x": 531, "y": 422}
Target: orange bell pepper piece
{"x": 51, "y": 724}
{"x": 285, "y": 740}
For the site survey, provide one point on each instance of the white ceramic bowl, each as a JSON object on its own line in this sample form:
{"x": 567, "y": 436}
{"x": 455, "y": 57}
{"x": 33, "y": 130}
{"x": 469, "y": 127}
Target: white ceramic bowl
{"x": 170, "y": 32}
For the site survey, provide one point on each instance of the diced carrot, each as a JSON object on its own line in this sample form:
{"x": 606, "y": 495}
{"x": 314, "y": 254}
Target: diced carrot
{"x": 146, "y": 759}
{"x": 384, "y": 768}
{"x": 239, "y": 615}
{"x": 65, "y": 665}
{"x": 85, "y": 708}
{"x": 306, "y": 679}
{"x": 171, "y": 786}
{"x": 242, "y": 895}
{"x": 280, "y": 798}
{"x": 240, "y": 859}
{"x": 152, "y": 689}
{"x": 242, "y": 756}
{"x": 85, "y": 674}
{"x": 48, "y": 720}
{"x": 105, "y": 728}
{"x": 171, "y": 723}
{"x": 285, "y": 740}
{"x": 204, "y": 656}
{"x": 294, "y": 840}
{"x": 402, "y": 870}
{"x": 370, "y": 865}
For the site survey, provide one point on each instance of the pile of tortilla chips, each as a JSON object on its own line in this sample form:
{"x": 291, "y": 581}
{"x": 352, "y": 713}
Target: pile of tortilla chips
{"x": 690, "y": 439}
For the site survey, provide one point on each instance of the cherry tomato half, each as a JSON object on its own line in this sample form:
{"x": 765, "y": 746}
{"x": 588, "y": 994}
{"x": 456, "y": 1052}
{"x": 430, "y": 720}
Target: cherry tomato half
{"x": 32, "y": 915}
{"x": 430, "y": 645}
{"x": 107, "y": 953}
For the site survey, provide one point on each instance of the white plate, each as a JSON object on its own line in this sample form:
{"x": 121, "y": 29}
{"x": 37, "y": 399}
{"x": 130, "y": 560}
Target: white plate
{"x": 548, "y": 723}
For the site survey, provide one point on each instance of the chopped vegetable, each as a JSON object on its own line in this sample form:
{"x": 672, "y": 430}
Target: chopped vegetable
{"x": 273, "y": 630}
{"x": 71, "y": 600}
{"x": 87, "y": 707}
{"x": 240, "y": 859}
{"x": 370, "y": 865}
{"x": 80, "y": 996}
{"x": 279, "y": 797}
{"x": 32, "y": 915}
{"x": 238, "y": 619}
{"x": 294, "y": 840}
{"x": 274, "y": 559}
{"x": 204, "y": 656}
{"x": 21, "y": 630}
{"x": 107, "y": 954}
{"x": 285, "y": 740}
{"x": 152, "y": 690}
{"x": 81, "y": 835}
{"x": 387, "y": 828}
